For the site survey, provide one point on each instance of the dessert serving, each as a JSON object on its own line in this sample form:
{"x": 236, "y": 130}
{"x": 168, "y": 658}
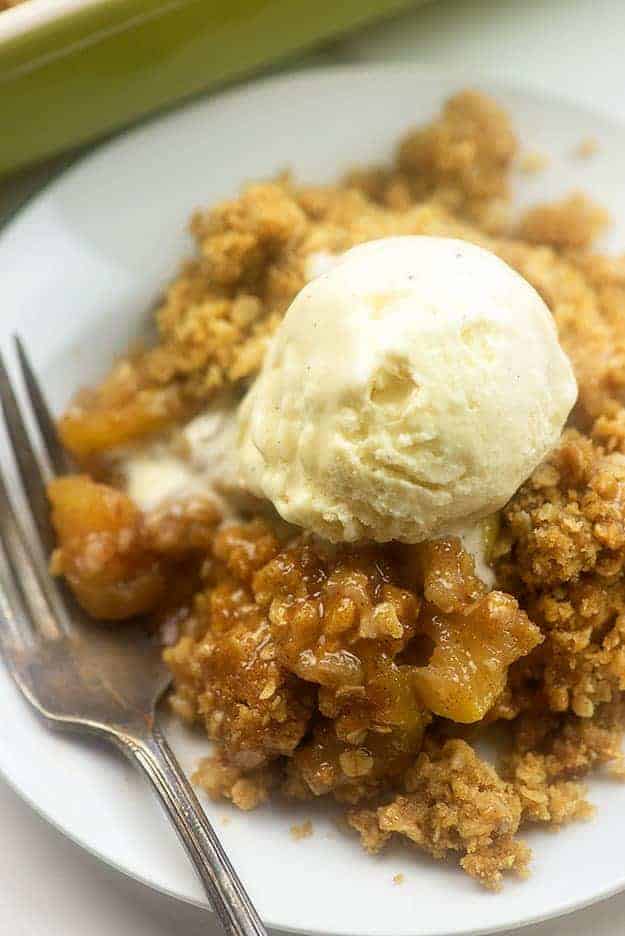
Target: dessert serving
{"x": 367, "y": 485}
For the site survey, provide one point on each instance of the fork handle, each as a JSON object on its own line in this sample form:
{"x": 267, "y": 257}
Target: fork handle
{"x": 223, "y": 886}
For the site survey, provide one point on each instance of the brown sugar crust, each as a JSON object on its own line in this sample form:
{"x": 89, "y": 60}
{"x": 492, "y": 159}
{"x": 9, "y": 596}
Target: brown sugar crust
{"x": 350, "y": 672}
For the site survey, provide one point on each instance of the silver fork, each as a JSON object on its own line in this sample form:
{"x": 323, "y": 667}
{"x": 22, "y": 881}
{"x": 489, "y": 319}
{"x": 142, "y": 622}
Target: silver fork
{"x": 88, "y": 678}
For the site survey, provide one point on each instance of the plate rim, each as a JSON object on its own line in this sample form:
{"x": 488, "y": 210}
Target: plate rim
{"x": 464, "y": 78}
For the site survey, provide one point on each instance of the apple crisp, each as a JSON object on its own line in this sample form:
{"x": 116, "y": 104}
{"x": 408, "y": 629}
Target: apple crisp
{"x": 354, "y": 672}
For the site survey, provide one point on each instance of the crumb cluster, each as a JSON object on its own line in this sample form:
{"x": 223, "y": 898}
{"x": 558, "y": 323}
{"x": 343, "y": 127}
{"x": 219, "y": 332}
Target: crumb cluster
{"x": 533, "y": 162}
{"x": 303, "y": 831}
{"x": 587, "y": 148}
{"x": 354, "y": 672}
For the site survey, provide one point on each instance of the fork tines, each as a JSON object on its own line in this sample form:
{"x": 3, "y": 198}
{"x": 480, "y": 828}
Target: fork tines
{"x": 25, "y": 583}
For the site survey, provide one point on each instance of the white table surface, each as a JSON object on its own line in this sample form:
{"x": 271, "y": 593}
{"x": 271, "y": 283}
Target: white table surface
{"x": 48, "y": 886}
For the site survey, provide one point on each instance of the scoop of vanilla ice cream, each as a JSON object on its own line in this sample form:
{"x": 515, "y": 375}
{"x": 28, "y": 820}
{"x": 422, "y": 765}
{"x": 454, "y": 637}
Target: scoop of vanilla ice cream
{"x": 413, "y": 386}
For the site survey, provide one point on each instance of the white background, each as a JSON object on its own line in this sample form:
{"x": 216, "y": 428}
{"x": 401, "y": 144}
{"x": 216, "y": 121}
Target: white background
{"x": 575, "y": 48}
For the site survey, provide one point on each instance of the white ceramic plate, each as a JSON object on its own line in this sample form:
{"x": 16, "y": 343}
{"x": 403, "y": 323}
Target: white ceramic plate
{"x": 78, "y": 267}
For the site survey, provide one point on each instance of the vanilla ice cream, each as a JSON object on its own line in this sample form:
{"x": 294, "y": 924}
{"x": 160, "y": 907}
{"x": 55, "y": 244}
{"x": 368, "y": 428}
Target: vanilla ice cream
{"x": 412, "y": 387}
{"x": 201, "y": 463}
